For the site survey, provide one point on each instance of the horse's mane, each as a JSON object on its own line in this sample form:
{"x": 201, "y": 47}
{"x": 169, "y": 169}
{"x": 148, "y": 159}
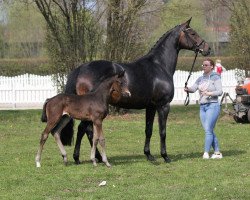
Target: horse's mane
{"x": 161, "y": 39}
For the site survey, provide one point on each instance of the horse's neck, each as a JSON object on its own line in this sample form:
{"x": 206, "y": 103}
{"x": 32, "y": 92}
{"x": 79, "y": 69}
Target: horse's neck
{"x": 166, "y": 50}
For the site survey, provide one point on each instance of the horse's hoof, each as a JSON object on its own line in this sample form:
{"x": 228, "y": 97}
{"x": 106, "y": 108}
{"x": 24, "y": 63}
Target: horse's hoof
{"x": 94, "y": 163}
{"x": 150, "y": 157}
{"x": 76, "y": 158}
{"x": 77, "y": 162}
{"x": 167, "y": 159}
{"x": 38, "y": 164}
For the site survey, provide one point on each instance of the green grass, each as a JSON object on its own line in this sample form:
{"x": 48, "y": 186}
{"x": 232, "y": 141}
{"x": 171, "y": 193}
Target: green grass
{"x": 188, "y": 176}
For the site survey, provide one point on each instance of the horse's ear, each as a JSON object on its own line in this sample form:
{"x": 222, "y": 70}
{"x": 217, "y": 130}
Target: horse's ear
{"x": 117, "y": 68}
{"x": 121, "y": 74}
{"x": 186, "y": 24}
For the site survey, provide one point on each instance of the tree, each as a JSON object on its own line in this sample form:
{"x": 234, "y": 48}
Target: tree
{"x": 123, "y": 19}
{"x": 21, "y": 38}
{"x": 240, "y": 28}
{"x": 73, "y": 34}
{"x": 177, "y": 11}
{"x": 217, "y": 22}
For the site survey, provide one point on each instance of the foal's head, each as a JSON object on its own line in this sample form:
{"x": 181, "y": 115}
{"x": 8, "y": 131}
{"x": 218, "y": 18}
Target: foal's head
{"x": 119, "y": 88}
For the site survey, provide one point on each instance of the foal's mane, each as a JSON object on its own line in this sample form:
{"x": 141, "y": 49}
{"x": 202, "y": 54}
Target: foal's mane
{"x": 103, "y": 82}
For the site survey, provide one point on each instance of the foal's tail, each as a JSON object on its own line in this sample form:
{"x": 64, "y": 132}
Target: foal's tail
{"x": 44, "y": 116}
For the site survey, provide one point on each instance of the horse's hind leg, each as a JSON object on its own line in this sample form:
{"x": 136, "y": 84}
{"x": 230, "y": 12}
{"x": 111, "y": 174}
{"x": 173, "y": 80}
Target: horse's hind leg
{"x": 150, "y": 114}
{"x": 80, "y": 133}
{"x": 162, "y": 119}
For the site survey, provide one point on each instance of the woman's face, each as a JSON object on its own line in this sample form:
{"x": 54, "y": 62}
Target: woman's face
{"x": 207, "y": 67}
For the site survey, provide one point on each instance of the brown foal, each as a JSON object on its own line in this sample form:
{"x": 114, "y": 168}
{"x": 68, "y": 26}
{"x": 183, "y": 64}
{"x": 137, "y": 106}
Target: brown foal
{"x": 92, "y": 106}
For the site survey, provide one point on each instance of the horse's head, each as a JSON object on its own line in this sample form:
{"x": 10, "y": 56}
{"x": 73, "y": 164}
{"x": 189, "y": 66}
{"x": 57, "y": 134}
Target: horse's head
{"x": 119, "y": 88}
{"x": 189, "y": 39}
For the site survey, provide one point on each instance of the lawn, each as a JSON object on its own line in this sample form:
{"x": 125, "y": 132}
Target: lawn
{"x": 131, "y": 176}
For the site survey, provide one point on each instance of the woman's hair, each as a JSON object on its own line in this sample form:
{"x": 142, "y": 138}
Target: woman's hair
{"x": 210, "y": 61}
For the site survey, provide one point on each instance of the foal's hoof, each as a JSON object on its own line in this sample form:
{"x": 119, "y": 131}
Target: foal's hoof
{"x": 108, "y": 165}
{"x": 38, "y": 164}
{"x": 94, "y": 162}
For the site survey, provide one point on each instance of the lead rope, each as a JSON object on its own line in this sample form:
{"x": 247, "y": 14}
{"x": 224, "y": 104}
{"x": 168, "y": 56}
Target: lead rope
{"x": 190, "y": 73}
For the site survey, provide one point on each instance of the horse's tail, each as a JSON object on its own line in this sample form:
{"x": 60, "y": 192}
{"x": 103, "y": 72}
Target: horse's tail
{"x": 67, "y": 133}
{"x": 44, "y": 116}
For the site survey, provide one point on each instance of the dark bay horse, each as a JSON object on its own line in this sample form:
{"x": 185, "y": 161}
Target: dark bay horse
{"x": 92, "y": 106}
{"x": 149, "y": 79}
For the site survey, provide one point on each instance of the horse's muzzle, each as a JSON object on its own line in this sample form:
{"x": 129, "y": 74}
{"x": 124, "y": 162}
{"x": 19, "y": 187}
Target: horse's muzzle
{"x": 206, "y": 50}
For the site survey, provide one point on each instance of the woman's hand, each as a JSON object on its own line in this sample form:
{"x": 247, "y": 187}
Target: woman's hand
{"x": 206, "y": 93}
{"x": 186, "y": 89}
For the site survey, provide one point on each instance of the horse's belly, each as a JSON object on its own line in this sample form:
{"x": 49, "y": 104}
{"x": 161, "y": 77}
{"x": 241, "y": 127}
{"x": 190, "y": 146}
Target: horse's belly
{"x": 132, "y": 103}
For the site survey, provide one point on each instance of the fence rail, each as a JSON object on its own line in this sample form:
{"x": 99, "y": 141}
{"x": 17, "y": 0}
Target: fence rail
{"x": 30, "y": 91}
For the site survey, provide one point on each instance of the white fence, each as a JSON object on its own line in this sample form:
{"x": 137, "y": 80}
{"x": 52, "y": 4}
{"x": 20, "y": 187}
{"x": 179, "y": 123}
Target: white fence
{"x": 30, "y": 91}
{"x": 26, "y": 90}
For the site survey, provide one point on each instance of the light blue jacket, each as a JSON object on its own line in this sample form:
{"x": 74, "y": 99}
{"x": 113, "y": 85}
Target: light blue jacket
{"x": 211, "y": 83}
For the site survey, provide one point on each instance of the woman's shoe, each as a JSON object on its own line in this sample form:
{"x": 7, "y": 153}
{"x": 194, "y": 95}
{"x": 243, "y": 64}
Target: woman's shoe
{"x": 205, "y": 155}
{"x": 217, "y": 155}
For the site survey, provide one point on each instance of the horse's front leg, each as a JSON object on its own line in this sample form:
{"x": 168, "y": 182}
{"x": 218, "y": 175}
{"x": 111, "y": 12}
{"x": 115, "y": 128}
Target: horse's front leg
{"x": 94, "y": 145}
{"x": 150, "y": 114}
{"x": 162, "y": 120}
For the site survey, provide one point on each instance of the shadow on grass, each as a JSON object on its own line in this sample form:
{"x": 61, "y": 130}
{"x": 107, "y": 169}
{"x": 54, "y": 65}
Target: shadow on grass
{"x": 130, "y": 159}
{"x": 228, "y": 153}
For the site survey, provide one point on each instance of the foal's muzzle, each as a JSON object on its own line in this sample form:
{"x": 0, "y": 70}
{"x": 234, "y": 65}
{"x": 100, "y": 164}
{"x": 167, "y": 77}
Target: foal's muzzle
{"x": 126, "y": 93}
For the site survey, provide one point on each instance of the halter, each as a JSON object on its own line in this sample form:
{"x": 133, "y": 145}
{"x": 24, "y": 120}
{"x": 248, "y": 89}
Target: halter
{"x": 194, "y": 44}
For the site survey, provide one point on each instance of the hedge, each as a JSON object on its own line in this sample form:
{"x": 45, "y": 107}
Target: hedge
{"x": 185, "y": 63}
{"x": 41, "y": 66}
{"x": 13, "y": 67}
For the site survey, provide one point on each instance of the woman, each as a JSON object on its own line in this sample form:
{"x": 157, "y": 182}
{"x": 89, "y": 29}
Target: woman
{"x": 210, "y": 87}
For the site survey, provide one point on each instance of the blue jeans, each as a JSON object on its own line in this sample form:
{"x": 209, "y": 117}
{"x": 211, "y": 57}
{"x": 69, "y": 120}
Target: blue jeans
{"x": 209, "y": 114}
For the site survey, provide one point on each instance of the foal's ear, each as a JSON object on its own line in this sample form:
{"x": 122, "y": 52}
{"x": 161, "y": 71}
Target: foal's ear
{"x": 121, "y": 74}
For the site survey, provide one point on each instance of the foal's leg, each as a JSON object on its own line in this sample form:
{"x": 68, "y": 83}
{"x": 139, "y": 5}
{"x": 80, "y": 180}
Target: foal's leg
{"x": 43, "y": 139}
{"x": 102, "y": 143}
{"x": 84, "y": 127}
{"x": 98, "y": 137}
{"x": 94, "y": 145}
{"x": 150, "y": 114}
{"x": 61, "y": 147}
{"x": 162, "y": 120}
{"x": 89, "y": 133}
